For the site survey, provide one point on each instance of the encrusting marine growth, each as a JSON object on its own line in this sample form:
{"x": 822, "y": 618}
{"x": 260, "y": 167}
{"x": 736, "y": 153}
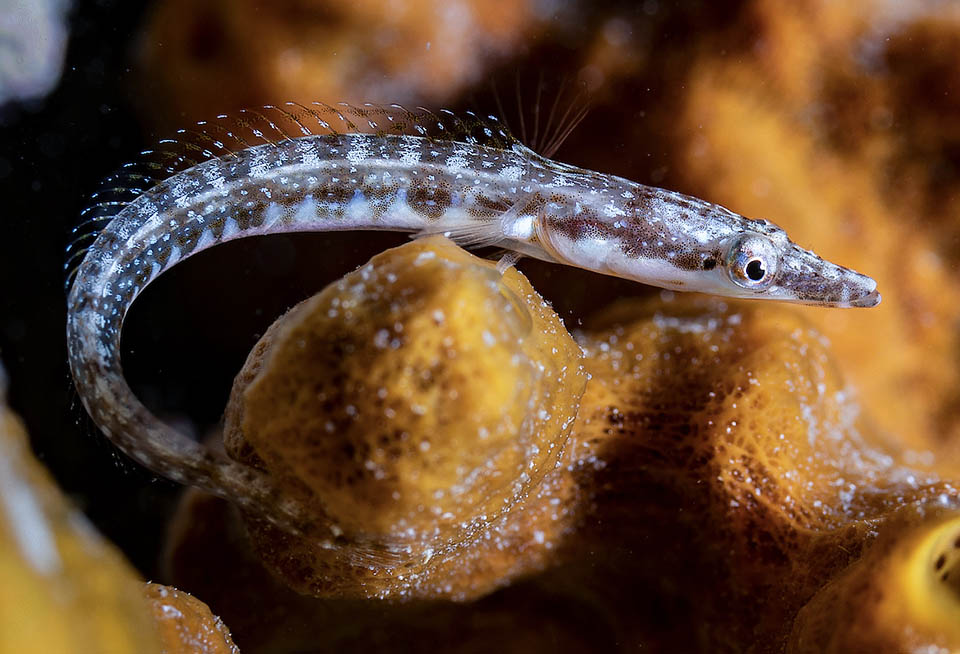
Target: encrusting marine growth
{"x": 903, "y": 595}
{"x": 416, "y": 400}
{"x": 716, "y": 454}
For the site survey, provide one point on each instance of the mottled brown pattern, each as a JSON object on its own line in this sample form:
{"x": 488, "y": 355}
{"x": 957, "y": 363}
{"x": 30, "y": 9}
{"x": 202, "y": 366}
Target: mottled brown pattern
{"x": 335, "y": 193}
{"x": 691, "y": 261}
{"x": 381, "y": 199}
{"x": 488, "y": 207}
{"x": 429, "y": 199}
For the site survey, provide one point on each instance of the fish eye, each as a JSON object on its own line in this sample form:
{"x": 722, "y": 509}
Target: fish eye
{"x": 752, "y": 261}
{"x": 755, "y": 270}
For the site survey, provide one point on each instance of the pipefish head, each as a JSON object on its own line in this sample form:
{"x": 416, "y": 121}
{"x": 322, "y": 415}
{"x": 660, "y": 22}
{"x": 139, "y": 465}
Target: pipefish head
{"x": 770, "y": 266}
{"x": 685, "y": 244}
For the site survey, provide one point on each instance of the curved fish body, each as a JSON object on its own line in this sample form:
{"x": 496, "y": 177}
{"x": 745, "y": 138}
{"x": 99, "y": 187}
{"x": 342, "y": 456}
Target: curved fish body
{"x": 478, "y": 195}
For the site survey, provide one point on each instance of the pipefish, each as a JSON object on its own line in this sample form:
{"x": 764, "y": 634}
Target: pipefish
{"x": 388, "y": 168}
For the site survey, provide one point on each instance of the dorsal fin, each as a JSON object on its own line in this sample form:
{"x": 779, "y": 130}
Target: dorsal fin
{"x": 227, "y": 134}
{"x": 550, "y": 121}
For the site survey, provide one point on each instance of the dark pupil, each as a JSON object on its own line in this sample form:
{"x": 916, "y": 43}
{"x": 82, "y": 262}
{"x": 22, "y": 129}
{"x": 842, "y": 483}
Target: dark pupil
{"x": 755, "y": 270}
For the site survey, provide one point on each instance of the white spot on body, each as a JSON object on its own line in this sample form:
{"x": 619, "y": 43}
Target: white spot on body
{"x": 521, "y": 227}
{"x": 611, "y": 210}
{"x": 359, "y": 150}
{"x": 206, "y": 240}
{"x": 260, "y": 163}
{"x": 409, "y": 151}
{"x": 214, "y": 177}
{"x": 230, "y": 228}
{"x": 306, "y": 211}
{"x": 511, "y": 173}
{"x": 456, "y": 162}
{"x": 272, "y": 215}
{"x": 308, "y": 153}
{"x": 358, "y": 210}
